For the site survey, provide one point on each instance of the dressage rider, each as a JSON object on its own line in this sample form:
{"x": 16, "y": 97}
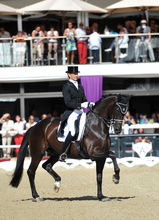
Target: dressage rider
{"x": 75, "y": 101}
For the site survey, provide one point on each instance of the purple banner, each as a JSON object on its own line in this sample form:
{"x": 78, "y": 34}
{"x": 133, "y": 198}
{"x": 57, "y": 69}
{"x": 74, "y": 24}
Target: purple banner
{"x": 93, "y": 86}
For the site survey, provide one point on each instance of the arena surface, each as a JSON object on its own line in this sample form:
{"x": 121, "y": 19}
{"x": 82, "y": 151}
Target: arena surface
{"x": 135, "y": 197}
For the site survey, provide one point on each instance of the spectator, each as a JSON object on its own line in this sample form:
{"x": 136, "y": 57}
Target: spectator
{"x": 5, "y": 48}
{"x": 38, "y": 45}
{"x": 133, "y": 27}
{"x": 95, "y": 41}
{"x": 42, "y": 28}
{"x": 128, "y": 26}
{"x": 19, "y": 127}
{"x": 43, "y": 116}
{"x": 81, "y": 44}
{"x": 153, "y": 27}
{"x": 123, "y": 39}
{"x": 70, "y": 34}
{"x": 87, "y": 30}
{"x": 144, "y": 41}
{"x": 4, "y": 34}
{"x": 140, "y": 131}
{"x": 94, "y": 25}
{"x": 33, "y": 112}
{"x": 7, "y": 125}
{"x": 129, "y": 120}
{"x": 31, "y": 122}
{"x": 53, "y": 42}
{"x": 19, "y": 49}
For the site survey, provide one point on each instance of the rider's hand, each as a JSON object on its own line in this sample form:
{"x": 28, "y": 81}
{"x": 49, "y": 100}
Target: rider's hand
{"x": 84, "y": 104}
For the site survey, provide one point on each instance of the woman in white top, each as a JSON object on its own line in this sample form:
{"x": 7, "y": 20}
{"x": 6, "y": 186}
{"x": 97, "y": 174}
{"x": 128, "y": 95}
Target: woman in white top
{"x": 53, "y": 42}
{"x": 7, "y": 125}
{"x": 19, "y": 128}
{"x": 31, "y": 122}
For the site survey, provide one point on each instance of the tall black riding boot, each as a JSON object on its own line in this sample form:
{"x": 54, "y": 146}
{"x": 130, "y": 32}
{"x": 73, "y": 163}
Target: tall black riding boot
{"x": 65, "y": 147}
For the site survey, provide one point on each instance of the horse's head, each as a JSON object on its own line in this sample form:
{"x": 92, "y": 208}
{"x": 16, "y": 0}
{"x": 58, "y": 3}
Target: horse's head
{"x": 117, "y": 111}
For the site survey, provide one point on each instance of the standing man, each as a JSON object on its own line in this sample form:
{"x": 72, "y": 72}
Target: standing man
{"x": 75, "y": 101}
{"x": 95, "y": 41}
{"x": 144, "y": 41}
{"x": 81, "y": 44}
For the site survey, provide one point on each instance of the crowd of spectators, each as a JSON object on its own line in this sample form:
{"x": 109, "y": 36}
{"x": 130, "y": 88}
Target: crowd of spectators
{"x": 12, "y": 131}
{"x": 46, "y": 42}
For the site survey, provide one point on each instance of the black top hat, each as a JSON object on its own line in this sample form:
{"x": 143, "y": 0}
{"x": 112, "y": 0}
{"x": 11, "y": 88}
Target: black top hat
{"x": 72, "y": 69}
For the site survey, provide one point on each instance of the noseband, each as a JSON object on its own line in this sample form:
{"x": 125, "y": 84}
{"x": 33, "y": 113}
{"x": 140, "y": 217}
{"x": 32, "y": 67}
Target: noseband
{"x": 111, "y": 122}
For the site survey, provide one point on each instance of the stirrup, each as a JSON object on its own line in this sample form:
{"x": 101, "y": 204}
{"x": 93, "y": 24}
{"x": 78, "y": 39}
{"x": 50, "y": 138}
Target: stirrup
{"x": 63, "y": 157}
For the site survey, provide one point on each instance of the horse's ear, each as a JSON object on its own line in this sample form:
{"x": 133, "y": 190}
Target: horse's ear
{"x": 119, "y": 97}
{"x": 128, "y": 98}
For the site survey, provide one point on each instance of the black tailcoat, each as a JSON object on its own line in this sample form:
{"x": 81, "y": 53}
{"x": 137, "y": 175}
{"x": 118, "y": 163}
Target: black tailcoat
{"x": 73, "y": 98}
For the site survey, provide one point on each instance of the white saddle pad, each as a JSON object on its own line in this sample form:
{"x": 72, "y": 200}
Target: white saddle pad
{"x": 81, "y": 129}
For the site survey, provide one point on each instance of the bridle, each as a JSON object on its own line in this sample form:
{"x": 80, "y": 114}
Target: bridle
{"x": 111, "y": 122}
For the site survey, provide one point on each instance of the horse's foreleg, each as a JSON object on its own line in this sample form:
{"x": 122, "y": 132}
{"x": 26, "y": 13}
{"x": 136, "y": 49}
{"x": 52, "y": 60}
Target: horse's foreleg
{"x": 99, "y": 172}
{"x": 31, "y": 174}
{"x": 48, "y": 167}
{"x": 116, "y": 176}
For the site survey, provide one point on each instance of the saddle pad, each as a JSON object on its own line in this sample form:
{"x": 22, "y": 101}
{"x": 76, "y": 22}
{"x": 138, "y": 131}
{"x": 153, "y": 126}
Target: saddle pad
{"x": 81, "y": 129}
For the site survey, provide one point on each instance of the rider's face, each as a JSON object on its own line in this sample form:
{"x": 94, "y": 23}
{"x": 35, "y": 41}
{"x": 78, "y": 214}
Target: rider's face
{"x": 73, "y": 76}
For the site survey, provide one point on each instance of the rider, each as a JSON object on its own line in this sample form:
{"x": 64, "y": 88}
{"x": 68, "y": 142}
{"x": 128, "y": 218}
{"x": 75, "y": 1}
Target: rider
{"x": 75, "y": 101}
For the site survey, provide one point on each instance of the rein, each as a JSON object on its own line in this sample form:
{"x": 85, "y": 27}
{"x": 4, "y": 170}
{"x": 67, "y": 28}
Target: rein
{"x": 109, "y": 123}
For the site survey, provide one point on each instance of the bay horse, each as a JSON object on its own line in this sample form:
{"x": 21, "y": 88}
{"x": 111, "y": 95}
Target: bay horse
{"x": 96, "y": 143}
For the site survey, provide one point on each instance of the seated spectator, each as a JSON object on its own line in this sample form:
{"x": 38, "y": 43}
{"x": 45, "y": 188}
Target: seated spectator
{"x": 31, "y": 122}
{"x": 53, "y": 42}
{"x": 19, "y": 127}
{"x": 38, "y": 45}
{"x": 123, "y": 39}
{"x": 70, "y": 34}
{"x": 19, "y": 49}
{"x": 129, "y": 120}
{"x": 95, "y": 41}
{"x": 144, "y": 42}
{"x": 7, "y": 125}
{"x": 81, "y": 44}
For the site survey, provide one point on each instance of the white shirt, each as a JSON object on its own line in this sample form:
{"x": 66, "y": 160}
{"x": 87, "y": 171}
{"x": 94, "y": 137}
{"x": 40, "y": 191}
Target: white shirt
{"x": 74, "y": 82}
{"x": 95, "y": 41}
{"x": 19, "y": 126}
{"x": 5, "y": 35}
{"x": 80, "y": 32}
{"x": 28, "y": 125}
{"x": 7, "y": 126}
{"x": 52, "y": 40}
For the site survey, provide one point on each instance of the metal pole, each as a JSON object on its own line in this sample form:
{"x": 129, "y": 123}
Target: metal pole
{"x": 22, "y": 102}
{"x": 19, "y": 22}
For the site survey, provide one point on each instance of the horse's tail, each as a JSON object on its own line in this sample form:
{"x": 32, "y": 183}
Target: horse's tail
{"x": 17, "y": 175}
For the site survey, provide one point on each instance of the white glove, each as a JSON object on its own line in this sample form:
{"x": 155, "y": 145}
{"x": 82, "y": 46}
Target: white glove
{"x": 84, "y": 104}
{"x": 92, "y": 103}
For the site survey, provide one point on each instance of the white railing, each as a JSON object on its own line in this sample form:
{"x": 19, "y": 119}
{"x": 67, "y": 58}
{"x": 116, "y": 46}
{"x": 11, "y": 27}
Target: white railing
{"x": 9, "y": 49}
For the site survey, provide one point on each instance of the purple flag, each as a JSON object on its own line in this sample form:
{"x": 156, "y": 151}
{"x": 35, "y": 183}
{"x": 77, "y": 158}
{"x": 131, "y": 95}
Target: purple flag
{"x": 93, "y": 86}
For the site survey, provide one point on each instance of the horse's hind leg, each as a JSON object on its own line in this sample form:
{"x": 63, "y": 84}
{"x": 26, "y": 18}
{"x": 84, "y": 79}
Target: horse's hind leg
{"x": 48, "y": 167}
{"x": 31, "y": 174}
{"x": 116, "y": 176}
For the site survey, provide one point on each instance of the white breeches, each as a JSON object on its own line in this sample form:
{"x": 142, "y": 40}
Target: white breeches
{"x": 71, "y": 121}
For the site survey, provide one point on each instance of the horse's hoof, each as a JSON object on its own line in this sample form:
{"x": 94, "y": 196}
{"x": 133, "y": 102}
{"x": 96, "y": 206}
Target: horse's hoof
{"x": 115, "y": 180}
{"x": 38, "y": 199}
{"x": 57, "y": 186}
